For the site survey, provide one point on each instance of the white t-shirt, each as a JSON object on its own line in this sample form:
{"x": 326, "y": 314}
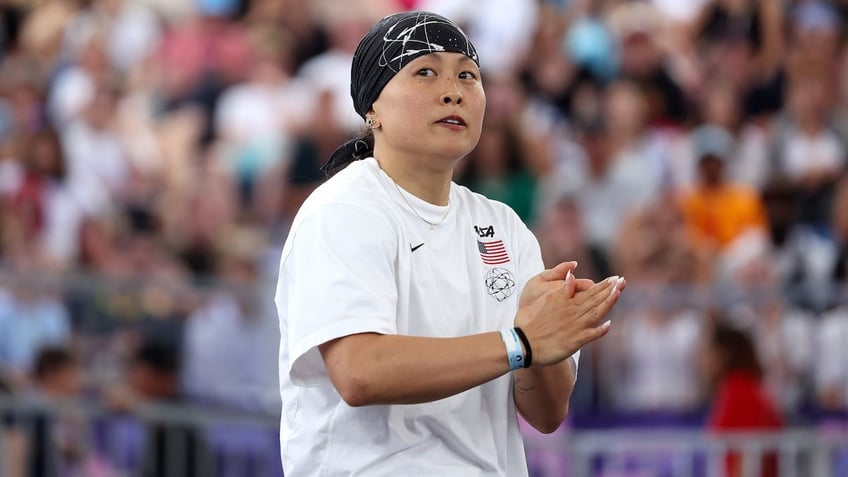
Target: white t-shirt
{"x": 806, "y": 153}
{"x": 358, "y": 259}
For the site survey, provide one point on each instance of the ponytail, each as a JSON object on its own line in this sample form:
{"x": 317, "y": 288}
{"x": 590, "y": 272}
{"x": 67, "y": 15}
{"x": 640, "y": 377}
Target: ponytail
{"x": 353, "y": 150}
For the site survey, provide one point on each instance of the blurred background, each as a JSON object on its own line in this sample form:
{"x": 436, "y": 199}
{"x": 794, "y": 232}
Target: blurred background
{"x": 153, "y": 153}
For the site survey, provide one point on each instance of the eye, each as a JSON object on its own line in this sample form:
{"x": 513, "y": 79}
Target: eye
{"x": 426, "y": 72}
{"x": 469, "y": 75}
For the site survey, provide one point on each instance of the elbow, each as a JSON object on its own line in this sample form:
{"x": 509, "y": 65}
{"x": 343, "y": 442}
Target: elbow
{"x": 350, "y": 373}
{"x": 354, "y": 391}
{"x": 354, "y": 397}
{"x": 551, "y": 422}
{"x": 548, "y": 426}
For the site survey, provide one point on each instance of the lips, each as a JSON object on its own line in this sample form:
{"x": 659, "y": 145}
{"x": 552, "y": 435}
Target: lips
{"x": 453, "y": 121}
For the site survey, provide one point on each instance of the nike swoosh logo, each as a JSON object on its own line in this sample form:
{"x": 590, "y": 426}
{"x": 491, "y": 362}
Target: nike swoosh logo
{"x": 416, "y": 247}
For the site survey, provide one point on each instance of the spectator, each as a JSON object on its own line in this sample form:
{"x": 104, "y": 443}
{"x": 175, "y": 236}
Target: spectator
{"x": 98, "y": 167}
{"x": 782, "y": 332}
{"x": 226, "y": 335}
{"x": 651, "y": 357}
{"x": 740, "y": 402}
{"x": 627, "y": 168}
{"x": 640, "y": 33}
{"x": 810, "y": 153}
{"x": 751, "y": 164}
{"x": 328, "y": 73}
{"x": 199, "y": 57}
{"x": 60, "y": 440}
{"x": 716, "y": 209}
{"x": 256, "y": 120}
{"x": 29, "y": 321}
{"x": 741, "y": 41}
{"x": 75, "y": 84}
{"x": 804, "y": 258}
{"x": 43, "y": 167}
{"x": 153, "y": 378}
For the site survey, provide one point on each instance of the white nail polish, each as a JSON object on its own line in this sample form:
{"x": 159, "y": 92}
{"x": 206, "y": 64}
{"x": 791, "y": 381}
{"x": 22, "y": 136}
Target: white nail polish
{"x": 619, "y": 282}
{"x": 568, "y": 276}
{"x": 606, "y": 324}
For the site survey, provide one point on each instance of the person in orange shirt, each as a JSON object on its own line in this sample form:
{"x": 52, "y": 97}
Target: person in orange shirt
{"x": 714, "y": 208}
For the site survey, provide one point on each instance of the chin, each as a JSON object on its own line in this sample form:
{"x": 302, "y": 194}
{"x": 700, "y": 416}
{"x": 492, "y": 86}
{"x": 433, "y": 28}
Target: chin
{"x": 456, "y": 149}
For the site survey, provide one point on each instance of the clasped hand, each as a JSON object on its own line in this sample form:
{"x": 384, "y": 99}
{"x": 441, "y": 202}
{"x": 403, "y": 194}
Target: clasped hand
{"x": 560, "y": 313}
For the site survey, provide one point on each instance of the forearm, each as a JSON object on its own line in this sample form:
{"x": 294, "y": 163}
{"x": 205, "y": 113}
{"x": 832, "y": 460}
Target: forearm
{"x": 542, "y": 394}
{"x": 391, "y": 369}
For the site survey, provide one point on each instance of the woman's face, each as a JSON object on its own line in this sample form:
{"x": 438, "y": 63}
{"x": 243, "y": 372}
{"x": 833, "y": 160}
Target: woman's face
{"x": 433, "y": 107}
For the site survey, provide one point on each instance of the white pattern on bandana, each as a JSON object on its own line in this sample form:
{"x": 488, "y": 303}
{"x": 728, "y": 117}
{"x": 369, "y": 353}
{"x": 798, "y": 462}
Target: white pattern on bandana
{"x": 405, "y": 37}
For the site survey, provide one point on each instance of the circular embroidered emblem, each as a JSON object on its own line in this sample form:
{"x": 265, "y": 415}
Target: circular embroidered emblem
{"x": 500, "y": 283}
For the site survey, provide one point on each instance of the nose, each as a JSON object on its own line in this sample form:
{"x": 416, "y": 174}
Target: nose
{"x": 452, "y": 95}
{"x": 454, "y": 98}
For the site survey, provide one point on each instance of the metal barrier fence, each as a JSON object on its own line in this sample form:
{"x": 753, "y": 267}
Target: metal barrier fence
{"x": 690, "y": 453}
{"x": 87, "y": 440}
{"x": 73, "y": 439}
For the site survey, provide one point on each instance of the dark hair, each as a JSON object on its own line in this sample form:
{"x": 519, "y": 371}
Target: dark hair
{"x": 359, "y": 147}
{"x": 51, "y": 359}
{"x": 158, "y": 354}
{"x": 736, "y": 349}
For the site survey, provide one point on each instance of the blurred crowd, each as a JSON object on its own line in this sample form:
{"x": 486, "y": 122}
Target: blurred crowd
{"x": 153, "y": 153}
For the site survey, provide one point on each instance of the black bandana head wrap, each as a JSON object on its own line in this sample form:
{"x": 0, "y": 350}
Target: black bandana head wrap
{"x": 392, "y": 43}
{"x": 388, "y": 46}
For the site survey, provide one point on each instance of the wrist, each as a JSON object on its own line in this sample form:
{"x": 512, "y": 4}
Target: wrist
{"x": 525, "y": 343}
{"x": 514, "y": 350}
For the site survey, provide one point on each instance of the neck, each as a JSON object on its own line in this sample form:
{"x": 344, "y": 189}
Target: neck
{"x": 418, "y": 176}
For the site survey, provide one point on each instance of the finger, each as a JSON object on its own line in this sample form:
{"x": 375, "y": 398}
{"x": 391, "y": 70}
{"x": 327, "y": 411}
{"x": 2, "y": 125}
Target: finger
{"x": 596, "y": 293}
{"x": 570, "y": 284}
{"x": 558, "y": 272}
{"x": 622, "y": 285}
{"x": 593, "y": 334}
{"x": 584, "y": 284}
{"x": 601, "y": 303}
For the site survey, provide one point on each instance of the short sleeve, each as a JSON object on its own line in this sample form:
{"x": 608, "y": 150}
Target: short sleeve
{"x": 337, "y": 279}
{"x": 529, "y": 253}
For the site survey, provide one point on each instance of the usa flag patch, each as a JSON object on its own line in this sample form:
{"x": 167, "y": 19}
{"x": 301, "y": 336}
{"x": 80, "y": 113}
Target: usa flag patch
{"x": 493, "y": 253}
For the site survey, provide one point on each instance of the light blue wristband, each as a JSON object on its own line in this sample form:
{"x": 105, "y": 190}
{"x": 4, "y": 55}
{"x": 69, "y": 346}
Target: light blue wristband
{"x": 513, "y": 349}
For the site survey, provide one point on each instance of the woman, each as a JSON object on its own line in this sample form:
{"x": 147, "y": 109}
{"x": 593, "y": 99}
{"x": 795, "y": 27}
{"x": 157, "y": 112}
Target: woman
{"x": 405, "y": 300}
{"x": 741, "y": 402}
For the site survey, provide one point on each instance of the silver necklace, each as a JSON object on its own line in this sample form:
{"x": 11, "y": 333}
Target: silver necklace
{"x": 432, "y": 225}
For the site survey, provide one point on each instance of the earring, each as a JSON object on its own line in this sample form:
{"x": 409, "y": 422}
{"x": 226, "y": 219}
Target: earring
{"x": 369, "y": 121}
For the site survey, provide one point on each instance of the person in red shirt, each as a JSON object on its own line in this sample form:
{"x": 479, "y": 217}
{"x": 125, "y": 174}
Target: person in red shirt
{"x": 740, "y": 403}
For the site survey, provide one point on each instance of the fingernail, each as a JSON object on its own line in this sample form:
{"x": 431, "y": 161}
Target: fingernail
{"x": 606, "y": 324}
{"x": 568, "y": 276}
{"x": 619, "y": 282}
{"x": 613, "y": 279}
